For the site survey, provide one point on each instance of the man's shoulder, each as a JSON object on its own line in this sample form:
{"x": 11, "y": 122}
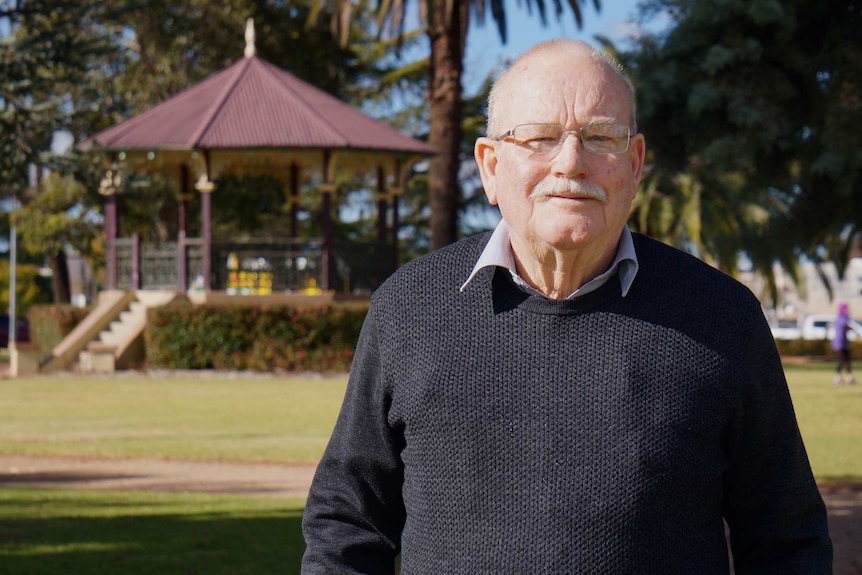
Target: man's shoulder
{"x": 659, "y": 255}
{"x": 672, "y": 266}
{"x": 443, "y": 269}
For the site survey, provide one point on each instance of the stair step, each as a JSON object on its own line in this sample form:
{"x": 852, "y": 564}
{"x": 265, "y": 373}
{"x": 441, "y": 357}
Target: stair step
{"x": 101, "y": 353}
{"x": 107, "y": 338}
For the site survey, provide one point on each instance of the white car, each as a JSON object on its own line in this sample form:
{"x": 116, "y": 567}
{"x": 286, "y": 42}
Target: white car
{"x": 786, "y": 329}
{"x": 821, "y": 326}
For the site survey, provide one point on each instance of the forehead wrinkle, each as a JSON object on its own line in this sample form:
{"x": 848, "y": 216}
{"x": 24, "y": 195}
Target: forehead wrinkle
{"x": 569, "y": 66}
{"x": 591, "y": 102}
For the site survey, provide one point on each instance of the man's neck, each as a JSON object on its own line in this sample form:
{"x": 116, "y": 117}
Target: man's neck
{"x": 556, "y": 273}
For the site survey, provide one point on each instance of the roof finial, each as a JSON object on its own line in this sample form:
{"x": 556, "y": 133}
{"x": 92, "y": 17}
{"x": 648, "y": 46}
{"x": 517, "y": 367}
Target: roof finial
{"x": 249, "y": 38}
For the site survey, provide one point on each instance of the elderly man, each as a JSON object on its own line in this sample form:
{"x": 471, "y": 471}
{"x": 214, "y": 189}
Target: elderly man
{"x": 564, "y": 396}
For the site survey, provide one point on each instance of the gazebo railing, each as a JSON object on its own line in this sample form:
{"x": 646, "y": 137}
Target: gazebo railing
{"x": 253, "y": 267}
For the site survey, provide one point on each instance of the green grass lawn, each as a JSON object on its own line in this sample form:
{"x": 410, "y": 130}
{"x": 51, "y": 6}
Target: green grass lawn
{"x": 252, "y": 418}
{"x": 255, "y": 418}
{"x": 289, "y": 419}
{"x": 52, "y": 532}
{"x": 830, "y": 419}
{"x": 212, "y": 417}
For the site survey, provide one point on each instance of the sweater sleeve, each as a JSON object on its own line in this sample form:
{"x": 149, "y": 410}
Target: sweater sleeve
{"x": 773, "y": 508}
{"x": 355, "y": 513}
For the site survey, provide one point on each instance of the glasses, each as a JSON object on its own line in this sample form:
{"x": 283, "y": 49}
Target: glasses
{"x": 547, "y": 139}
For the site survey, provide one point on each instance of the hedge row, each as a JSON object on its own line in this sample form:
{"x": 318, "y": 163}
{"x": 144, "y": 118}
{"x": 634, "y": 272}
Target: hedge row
{"x": 814, "y": 348}
{"x": 185, "y": 336}
{"x": 50, "y": 323}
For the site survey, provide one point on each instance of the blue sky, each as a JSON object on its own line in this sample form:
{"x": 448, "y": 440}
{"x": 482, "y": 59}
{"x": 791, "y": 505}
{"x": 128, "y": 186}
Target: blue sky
{"x": 485, "y": 51}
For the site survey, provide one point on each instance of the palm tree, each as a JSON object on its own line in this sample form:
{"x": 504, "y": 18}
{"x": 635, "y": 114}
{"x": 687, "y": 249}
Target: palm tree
{"x": 447, "y": 22}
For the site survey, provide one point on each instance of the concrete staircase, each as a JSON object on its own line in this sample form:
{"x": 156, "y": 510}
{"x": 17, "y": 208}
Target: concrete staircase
{"x": 111, "y": 337}
{"x": 121, "y": 345}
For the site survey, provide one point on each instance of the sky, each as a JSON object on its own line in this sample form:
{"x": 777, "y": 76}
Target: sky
{"x": 485, "y": 50}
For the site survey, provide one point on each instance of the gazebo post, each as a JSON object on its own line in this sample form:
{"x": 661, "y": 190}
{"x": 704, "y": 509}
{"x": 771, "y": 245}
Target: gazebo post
{"x": 294, "y": 200}
{"x": 206, "y": 228}
{"x": 111, "y": 238}
{"x": 396, "y": 191}
{"x": 205, "y": 186}
{"x": 381, "y": 206}
{"x": 183, "y": 232}
{"x": 108, "y": 188}
{"x": 184, "y": 198}
{"x": 326, "y": 189}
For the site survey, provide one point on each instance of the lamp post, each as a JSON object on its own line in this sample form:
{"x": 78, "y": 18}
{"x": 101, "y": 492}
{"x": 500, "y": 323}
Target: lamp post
{"x": 13, "y": 263}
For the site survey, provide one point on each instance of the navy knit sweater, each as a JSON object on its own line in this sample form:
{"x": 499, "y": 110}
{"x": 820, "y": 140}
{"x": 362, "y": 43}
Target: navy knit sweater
{"x": 490, "y": 431}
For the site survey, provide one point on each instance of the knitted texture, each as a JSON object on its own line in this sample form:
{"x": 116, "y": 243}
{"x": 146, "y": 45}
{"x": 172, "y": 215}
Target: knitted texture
{"x": 489, "y": 431}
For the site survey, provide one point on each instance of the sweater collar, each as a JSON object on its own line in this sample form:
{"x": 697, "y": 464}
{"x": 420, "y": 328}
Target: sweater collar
{"x": 498, "y": 253}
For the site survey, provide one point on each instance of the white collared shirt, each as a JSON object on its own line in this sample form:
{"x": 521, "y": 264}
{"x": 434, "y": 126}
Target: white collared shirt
{"x": 498, "y": 252}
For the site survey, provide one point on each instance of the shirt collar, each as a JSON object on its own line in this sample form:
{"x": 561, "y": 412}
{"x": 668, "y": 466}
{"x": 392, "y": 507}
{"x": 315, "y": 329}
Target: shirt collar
{"x": 498, "y": 253}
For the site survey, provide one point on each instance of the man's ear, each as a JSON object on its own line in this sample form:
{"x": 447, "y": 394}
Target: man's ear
{"x": 485, "y": 152}
{"x": 637, "y": 154}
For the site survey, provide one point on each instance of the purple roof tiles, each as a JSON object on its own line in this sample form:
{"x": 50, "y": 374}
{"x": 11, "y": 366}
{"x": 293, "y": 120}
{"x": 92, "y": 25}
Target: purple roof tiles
{"x": 254, "y": 104}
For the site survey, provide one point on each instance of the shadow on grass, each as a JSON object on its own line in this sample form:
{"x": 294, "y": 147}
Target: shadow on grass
{"x": 844, "y": 505}
{"x": 116, "y": 536}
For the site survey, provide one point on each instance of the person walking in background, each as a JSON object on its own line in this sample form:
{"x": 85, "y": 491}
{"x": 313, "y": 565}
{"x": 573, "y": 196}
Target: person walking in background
{"x": 841, "y": 346}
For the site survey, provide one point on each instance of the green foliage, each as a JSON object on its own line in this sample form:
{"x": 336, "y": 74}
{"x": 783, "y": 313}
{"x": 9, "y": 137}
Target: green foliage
{"x": 172, "y": 44}
{"x": 47, "y": 50}
{"x": 55, "y": 218}
{"x": 49, "y": 324}
{"x": 249, "y": 205}
{"x": 183, "y": 336}
{"x": 27, "y": 289}
{"x": 752, "y": 103}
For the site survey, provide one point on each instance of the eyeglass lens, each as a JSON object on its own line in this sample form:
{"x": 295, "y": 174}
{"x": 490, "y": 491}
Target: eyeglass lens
{"x": 596, "y": 138}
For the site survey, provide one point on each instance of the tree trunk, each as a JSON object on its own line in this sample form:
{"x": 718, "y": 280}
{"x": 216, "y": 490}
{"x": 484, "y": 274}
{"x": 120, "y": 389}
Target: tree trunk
{"x": 447, "y": 33}
{"x": 60, "y": 278}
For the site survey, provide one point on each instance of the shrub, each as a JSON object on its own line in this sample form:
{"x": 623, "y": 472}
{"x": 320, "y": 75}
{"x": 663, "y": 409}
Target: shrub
{"x": 50, "y": 323}
{"x": 28, "y": 292}
{"x": 817, "y": 348}
{"x": 185, "y": 336}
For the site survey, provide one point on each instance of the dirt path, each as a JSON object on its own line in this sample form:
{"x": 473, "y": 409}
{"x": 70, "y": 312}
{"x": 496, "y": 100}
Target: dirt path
{"x": 270, "y": 479}
{"x": 844, "y": 501}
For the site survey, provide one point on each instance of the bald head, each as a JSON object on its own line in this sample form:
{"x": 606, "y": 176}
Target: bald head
{"x": 564, "y": 55}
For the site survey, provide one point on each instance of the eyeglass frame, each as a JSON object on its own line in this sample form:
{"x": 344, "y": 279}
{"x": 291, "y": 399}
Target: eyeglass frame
{"x": 628, "y": 137}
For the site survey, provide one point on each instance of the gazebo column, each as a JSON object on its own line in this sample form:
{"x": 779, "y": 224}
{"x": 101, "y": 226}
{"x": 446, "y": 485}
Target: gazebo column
{"x": 185, "y": 197}
{"x": 326, "y": 223}
{"x": 206, "y": 233}
{"x": 206, "y": 187}
{"x": 396, "y": 191}
{"x": 108, "y": 188}
{"x": 294, "y": 201}
{"x": 382, "y": 206}
{"x": 396, "y": 223}
{"x": 111, "y": 238}
{"x": 326, "y": 190}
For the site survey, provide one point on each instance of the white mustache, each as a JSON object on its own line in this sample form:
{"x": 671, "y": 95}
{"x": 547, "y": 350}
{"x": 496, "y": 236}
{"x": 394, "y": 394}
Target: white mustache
{"x": 568, "y": 188}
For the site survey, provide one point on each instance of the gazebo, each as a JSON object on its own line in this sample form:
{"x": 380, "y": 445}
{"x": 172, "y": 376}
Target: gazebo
{"x": 254, "y": 119}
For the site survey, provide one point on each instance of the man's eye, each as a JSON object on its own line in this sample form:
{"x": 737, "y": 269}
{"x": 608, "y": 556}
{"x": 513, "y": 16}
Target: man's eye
{"x": 541, "y": 140}
{"x": 598, "y": 138}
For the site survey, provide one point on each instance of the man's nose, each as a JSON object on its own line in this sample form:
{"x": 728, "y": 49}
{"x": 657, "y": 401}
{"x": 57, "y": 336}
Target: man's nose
{"x": 569, "y": 159}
